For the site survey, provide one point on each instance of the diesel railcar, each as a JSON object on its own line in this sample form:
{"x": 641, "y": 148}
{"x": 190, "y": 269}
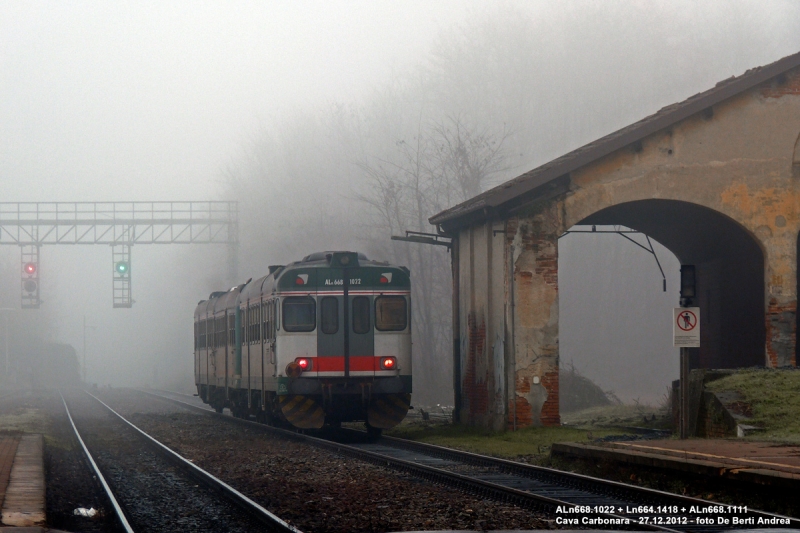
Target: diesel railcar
{"x": 317, "y": 342}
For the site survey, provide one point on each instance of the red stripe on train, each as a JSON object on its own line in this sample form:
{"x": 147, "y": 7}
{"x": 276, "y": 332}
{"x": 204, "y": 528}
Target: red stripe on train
{"x": 358, "y": 363}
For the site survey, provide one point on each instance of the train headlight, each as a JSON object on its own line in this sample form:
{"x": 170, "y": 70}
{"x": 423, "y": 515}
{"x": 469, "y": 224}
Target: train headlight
{"x": 303, "y": 363}
{"x": 388, "y": 363}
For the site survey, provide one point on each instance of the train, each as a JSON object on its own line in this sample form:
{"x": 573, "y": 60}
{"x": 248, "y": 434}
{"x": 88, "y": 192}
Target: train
{"x": 312, "y": 344}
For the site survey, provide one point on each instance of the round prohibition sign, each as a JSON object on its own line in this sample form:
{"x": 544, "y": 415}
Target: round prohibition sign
{"x": 687, "y": 320}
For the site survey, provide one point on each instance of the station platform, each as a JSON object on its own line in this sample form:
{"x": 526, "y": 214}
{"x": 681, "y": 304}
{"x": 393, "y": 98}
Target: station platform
{"x": 766, "y": 463}
{"x": 22, "y": 485}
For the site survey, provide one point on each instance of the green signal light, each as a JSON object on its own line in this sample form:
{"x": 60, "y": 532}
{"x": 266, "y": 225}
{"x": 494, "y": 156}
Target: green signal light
{"x": 122, "y": 268}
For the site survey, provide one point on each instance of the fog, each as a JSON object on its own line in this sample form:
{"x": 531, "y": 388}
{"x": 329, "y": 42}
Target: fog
{"x": 305, "y": 113}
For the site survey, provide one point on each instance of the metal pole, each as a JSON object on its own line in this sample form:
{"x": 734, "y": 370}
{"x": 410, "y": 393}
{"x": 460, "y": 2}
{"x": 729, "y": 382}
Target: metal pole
{"x": 454, "y": 263}
{"x": 512, "y": 346}
{"x": 684, "y": 400}
{"x": 84, "y": 349}
{"x": 5, "y": 374}
{"x": 5, "y": 312}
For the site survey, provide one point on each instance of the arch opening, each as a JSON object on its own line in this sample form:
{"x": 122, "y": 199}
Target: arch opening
{"x": 729, "y": 270}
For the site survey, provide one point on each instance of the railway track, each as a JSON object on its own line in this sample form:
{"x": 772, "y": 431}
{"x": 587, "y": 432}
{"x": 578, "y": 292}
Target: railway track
{"x": 576, "y": 499}
{"x": 151, "y": 487}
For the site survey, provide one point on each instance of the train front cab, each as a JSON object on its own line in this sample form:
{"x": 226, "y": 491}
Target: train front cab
{"x": 345, "y": 347}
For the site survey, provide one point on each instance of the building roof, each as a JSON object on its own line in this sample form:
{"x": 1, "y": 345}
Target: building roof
{"x": 543, "y": 179}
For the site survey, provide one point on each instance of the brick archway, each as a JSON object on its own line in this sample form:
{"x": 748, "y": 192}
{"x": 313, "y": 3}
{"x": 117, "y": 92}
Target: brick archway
{"x": 730, "y": 274}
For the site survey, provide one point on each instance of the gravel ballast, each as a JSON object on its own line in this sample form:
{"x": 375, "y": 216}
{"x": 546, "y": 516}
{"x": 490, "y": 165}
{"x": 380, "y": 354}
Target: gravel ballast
{"x": 314, "y": 489}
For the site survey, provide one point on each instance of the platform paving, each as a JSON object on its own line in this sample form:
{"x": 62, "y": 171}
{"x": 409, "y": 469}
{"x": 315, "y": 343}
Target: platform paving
{"x": 23, "y": 502}
{"x": 761, "y": 462}
{"x": 8, "y": 449}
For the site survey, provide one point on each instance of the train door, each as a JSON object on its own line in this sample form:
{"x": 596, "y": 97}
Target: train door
{"x": 229, "y": 350}
{"x": 362, "y": 334}
{"x": 331, "y": 334}
{"x": 249, "y": 316}
{"x": 212, "y": 351}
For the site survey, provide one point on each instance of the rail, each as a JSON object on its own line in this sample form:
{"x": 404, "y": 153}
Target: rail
{"x": 106, "y": 488}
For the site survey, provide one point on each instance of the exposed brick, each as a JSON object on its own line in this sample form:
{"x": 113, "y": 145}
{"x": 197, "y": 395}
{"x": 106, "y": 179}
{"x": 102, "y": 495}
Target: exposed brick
{"x": 781, "y": 334}
{"x": 475, "y": 388}
{"x": 789, "y": 86}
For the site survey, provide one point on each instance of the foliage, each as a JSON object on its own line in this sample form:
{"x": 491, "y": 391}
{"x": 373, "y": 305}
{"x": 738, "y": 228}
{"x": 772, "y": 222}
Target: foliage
{"x": 577, "y": 392}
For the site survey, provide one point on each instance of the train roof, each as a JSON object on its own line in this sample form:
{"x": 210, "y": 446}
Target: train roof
{"x": 218, "y": 300}
{"x": 323, "y": 271}
{"x": 317, "y": 272}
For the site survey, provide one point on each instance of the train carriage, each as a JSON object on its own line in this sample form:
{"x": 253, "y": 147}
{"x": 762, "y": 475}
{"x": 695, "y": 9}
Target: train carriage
{"x": 321, "y": 341}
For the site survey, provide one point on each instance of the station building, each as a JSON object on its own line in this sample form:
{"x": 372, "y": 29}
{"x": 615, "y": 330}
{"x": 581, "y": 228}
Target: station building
{"x": 715, "y": 179}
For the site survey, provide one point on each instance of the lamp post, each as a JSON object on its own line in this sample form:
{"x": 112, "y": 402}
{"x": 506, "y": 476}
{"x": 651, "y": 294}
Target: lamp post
{"x": 5, "y": 311}
{"x": 84, "y": 347}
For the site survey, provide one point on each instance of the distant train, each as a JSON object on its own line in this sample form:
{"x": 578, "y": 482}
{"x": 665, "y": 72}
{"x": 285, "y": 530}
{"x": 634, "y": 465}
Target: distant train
{"x": 317, "y": 342}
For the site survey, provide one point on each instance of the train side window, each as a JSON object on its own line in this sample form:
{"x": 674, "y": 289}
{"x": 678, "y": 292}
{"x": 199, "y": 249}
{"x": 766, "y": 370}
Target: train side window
{"x": 391, "y": 313}
{"x": 329, "y": 319}
{"x": 299, "y": 313}
{"x": 267, "y": 321}
{"x": 360, "y": 314}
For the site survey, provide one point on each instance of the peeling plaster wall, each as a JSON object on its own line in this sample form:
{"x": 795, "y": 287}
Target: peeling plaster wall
{"x": 483, "y": 326}
{"x": 534, "y": 236}
{"x": 741, "y": 160}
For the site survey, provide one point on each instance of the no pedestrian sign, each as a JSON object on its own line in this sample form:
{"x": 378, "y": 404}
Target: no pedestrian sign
{"x": 686, "y": 327}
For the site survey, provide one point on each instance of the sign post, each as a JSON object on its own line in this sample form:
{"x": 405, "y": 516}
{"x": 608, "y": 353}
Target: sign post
{"x": 685, "y": 335}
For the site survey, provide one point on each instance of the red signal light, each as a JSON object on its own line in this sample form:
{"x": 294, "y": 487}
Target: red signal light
{"x": 388, "y": 363}
{"x": 30, "y": 268}
{"x": 303, "y": 363}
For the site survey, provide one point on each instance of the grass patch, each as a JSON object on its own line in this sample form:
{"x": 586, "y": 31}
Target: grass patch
{"x": 773, "y": 397}
{"x": 24, "y": 420}
{"x": 529, "y": 444}
{"x": 618, "y": 415}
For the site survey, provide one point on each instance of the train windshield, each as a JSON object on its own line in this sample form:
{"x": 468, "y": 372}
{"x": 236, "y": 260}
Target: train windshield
{"x": 299, "y": 314}
{"x": 391, "y": 313}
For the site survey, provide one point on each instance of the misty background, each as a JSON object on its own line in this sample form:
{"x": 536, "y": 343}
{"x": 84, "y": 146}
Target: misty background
{"x": 335, "y": 125}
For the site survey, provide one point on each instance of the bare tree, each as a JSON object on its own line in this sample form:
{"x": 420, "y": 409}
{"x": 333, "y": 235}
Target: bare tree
{"x": 443, "y": 164}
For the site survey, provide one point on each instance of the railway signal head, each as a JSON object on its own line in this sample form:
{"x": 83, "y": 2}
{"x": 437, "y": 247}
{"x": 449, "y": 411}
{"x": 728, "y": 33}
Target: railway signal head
{"x": 29, "y": 268}
{"x": 29, "y": 286}
{"x": 122, "y": 268}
